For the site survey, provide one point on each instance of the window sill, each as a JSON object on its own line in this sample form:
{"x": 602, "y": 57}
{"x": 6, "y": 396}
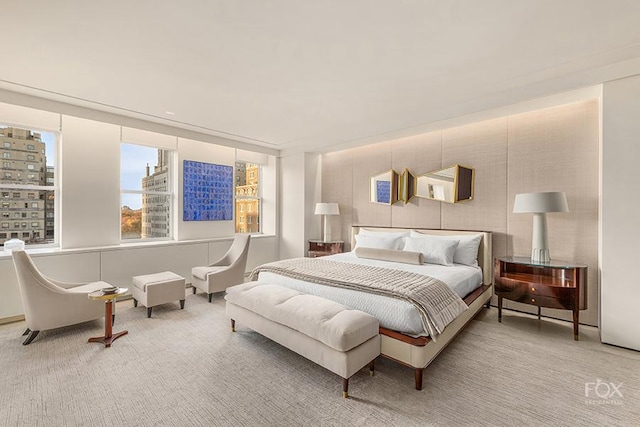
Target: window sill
{"x": 48, "y": 251}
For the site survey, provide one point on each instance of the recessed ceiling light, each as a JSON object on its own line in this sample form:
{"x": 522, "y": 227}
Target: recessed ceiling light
{"x": 170, "y": 113}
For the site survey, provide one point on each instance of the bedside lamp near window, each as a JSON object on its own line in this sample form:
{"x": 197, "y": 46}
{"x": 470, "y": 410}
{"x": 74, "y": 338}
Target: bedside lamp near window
{"x": 539, "y": 204}
{"x": 327, "y": 209}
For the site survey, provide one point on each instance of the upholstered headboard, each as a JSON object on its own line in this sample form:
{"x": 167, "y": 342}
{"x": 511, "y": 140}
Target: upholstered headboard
{"x": 485, "y": 253}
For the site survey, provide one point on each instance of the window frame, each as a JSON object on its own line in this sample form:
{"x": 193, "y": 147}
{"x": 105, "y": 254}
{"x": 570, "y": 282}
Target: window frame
{"x": 55, "y": 187}
{"x": 170, "y": 193}
{"x": 257, "y": 197}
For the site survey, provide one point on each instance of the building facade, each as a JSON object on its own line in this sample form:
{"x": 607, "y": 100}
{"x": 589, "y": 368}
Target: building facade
{"x": 156, "y": 215}
{"x": 23, "y": 211}
{"x": 247, "y": 198}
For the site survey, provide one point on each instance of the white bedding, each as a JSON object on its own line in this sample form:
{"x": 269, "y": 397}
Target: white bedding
{"x": 394, "y": 314}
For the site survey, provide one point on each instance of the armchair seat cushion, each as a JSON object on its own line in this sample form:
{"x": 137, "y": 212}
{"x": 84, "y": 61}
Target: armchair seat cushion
{"x": 202, "y": 272}
{"x": 89, "y": 287}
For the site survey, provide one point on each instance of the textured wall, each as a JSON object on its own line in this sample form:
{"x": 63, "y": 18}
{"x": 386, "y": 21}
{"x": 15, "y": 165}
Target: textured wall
{"x": 544, "y": 150}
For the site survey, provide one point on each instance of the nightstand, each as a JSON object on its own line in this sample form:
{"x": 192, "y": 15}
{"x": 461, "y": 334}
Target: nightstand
{"x": 553, "y": 284}
{"x": 318, "y": 248}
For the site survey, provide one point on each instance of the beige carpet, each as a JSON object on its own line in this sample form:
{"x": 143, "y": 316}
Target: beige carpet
{"x": 185, "y": 368}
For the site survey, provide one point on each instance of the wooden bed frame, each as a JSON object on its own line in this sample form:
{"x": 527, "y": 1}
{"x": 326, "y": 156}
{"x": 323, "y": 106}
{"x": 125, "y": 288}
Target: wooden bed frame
{"x": 419, "y": 352}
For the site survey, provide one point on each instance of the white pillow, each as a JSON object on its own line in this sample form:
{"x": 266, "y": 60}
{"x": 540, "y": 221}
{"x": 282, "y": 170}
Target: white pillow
{"x": 435, "y": 251}
{"x": 365, "y": 232}
{"x": 379, "y": 242}
{"x": 467, "y": 250}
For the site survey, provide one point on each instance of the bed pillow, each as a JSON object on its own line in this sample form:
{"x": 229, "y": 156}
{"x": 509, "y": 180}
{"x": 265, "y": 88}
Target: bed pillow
{"x": 373, "y": 233}
{"x": 392, "y": 255}
{"x": 467, "y": 249}
{"x": 435, "y": 251}
{"x": 379, "y": 242}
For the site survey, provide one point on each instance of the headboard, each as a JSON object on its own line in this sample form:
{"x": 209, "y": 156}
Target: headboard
{"x": 485, "y": 253}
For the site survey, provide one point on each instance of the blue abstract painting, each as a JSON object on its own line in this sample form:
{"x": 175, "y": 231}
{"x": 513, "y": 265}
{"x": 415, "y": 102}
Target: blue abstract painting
{"x": 207, "y": 192}
{"x": 383, "y": 190}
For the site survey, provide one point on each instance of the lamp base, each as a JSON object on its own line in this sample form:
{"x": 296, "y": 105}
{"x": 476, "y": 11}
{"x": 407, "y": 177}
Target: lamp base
{"x": 540, "y": 255}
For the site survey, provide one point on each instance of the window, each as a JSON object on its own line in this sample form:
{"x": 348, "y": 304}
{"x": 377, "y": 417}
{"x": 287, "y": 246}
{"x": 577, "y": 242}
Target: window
{"x": 248, "y": 199}
{"x": 146, "y": 210}
{"x": 26, "y": 235}
{"x": 5, "y": 214}
{"x": 3, "y": 235}
{"x": 25, "y": 183}
{"x": 5, "y": 225}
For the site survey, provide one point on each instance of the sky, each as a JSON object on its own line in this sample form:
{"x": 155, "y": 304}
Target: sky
{"x": 133, "y": 169}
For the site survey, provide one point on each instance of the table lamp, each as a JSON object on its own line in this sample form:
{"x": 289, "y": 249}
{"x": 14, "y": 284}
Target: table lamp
{"x": 539, "y": 204}
{"x": 327, "y": 209}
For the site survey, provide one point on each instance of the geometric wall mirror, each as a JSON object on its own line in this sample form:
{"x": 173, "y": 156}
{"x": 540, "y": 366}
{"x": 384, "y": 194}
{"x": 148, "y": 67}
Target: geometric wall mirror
{"x": 453, "y": 184}
{"x": 384, "y": 188}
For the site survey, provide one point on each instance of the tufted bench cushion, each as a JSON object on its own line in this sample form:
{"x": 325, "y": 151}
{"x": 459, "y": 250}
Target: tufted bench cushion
{"x": 334, "y": 336}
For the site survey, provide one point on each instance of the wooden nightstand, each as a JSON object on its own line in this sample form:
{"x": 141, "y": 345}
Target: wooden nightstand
{"x": 319, "y": 248}
{"x": 555, "y": 284}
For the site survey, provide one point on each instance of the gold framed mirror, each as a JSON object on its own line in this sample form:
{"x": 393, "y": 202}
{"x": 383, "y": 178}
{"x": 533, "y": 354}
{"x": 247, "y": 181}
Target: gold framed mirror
{"x": 451, "y": 185}
{"x": 407, "y": 186}
{"x": 383, "y": 188}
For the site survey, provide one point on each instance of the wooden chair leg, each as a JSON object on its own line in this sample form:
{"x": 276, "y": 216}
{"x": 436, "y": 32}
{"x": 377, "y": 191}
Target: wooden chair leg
{"x": 113, "y": 319}
{"x": 418, "y": 376}
{"x": 149, "y": 311}
{"x": 26, "y": 332}
{"x": 210, "y": 297}
{"x": 31, "y": 337}
{"x": 345, "y": 387}
{"x": 181, "y": 304}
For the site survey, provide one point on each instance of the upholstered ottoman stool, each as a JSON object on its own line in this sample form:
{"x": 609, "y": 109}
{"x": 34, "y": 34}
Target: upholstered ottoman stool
{"x": 335, "y": 337}
{"x": 158, "y": 288}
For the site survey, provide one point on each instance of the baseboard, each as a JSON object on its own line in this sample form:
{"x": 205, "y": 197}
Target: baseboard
{"x": 12, "y": 319}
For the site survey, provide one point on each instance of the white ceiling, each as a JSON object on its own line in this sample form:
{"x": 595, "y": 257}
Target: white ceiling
{"x": 311, "y": 75}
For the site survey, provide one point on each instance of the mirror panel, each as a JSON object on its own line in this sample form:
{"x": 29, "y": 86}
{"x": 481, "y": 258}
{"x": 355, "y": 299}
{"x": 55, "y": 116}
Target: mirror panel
{"x": 384, "y": 188}
{"x": 407, "y": 186}
{"x": 451, "y": 185}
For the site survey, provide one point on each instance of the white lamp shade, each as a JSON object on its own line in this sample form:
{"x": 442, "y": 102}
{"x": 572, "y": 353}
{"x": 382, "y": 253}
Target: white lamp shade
{"x": 327, "y": 209}
{"x": 552, "y": 201}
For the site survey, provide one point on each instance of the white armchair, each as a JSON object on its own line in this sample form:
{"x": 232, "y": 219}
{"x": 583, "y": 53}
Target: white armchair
{"x": 50, "y": 304}
{"x": 227, "y": 271}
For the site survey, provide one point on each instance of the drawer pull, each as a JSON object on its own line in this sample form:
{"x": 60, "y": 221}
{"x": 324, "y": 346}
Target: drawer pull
{"x": 533, "y": 300}
{"x": 533, "y": 289}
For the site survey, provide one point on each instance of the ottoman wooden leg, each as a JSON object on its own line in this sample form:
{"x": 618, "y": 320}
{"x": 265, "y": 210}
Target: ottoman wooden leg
{"x": 135, "y": 302}
{"x": 181, "y": 304}
{"x": 345, "y": 387}
{"x": 372, "y": 367}
{"x": 149, "y": 311}
{"x": 233, "y": 325}
{"x": 194, "y": 290}
{"x": 210, "y": 297}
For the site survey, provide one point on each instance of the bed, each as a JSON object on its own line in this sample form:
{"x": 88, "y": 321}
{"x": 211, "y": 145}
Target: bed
{"x": 403, "y": 335}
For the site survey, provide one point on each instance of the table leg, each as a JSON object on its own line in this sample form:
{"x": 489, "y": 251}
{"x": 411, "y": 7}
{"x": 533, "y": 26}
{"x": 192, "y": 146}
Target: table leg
{"x": 538, "y": 312}
{"x": 108, "y": 337}
{"x": 499, "y": 308}
{"x": 576, "y": 316}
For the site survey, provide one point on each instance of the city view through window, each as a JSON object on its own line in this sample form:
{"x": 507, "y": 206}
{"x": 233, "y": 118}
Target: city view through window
{"x": 27, "y": 185}
{"x": 146, "y": 207}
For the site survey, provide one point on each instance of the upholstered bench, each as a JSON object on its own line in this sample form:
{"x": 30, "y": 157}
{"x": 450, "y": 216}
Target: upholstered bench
{"x": 158, "y": 288}
{"x": 332, "y": 335}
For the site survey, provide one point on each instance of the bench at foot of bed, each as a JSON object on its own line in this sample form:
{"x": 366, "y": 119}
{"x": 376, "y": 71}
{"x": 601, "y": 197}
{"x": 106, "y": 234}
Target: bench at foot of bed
{"x": 335, "y": 337}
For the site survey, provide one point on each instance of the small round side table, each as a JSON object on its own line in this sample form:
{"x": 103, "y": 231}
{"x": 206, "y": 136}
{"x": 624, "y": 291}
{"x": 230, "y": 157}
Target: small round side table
{"x": 109, "y": 336}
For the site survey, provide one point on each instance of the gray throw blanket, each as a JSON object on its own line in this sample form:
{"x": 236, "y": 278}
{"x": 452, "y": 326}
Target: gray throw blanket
{"x": 437, "y": 304}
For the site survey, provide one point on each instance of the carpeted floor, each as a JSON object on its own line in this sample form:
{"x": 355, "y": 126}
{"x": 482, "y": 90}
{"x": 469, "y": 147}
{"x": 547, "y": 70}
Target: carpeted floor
{"x": 185, "y": 368}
